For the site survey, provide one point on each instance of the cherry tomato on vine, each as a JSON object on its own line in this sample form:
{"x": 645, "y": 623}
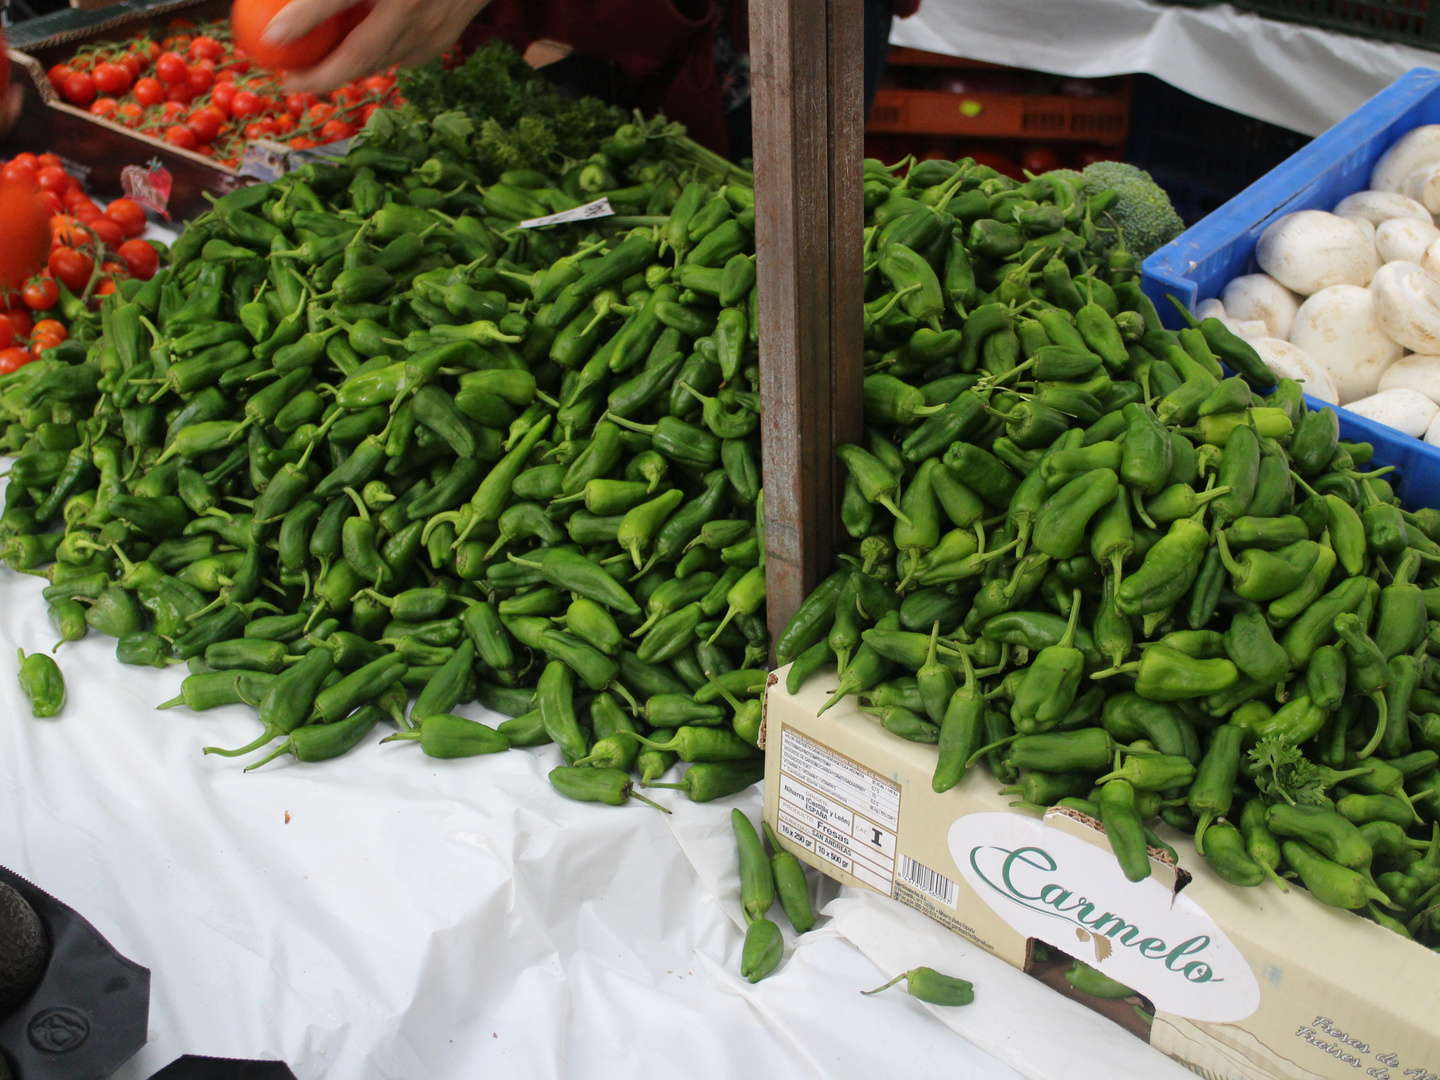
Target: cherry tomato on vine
{"x": 51, "y": 327}
{"x": 223, "y": 96}
{"x": 129, "y": 113}
{"x": 171, "y": 68}
{"x": 172, "y": 110}
{"x": 181, "y": 136}
{"x": 51, "y": 202}
{"x": 296, "y": 103}
{"x": 320, "y": 112}
{"x": 148, "y": 91}
{"x": 180, "y": 93}
{"x": 20, "y": 320}
{"x": 41, "y": 294}
{"x": 79, "y": 89}
{"x": 335, "y": 130}
{"x": 44, "y": 161}
{"x": 57, "y": 76}
{"x": 105, "y": 106}
{"x": 129, "y": 215}
{"x": 108, "y": 231}
{"x": 205, "y": 122}
{"x": 303, "y": 143}
{"x": 200, "y": 79}
{"x": 141, "y": 258}
{"x": 205, "y": 47}
{"x": 111, "y": 79}
{"x": 244, "y": 104}
{"x": 71, "y": 268}
{"x": 7, "y": 332}
{"x": 13, "y": 359}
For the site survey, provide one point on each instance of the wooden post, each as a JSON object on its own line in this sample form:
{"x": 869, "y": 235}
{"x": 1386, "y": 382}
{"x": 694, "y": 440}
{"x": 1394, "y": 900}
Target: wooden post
{"x": 807, "y": 75}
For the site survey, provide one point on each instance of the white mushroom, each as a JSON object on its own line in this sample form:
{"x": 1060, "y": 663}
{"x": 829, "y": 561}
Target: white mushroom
{"x": 1210, "y": 309}
{"x": 1290, "y": 362}
{"x": 1423, "y": 185}
{"x": 1259, "y": 296}
{"x": 1414, "y": 372}
{"x": 1250, "y": 329}
{"x": 1418, "y": 146}
{"x": 1310, "y": 250}
{"x": 1338, "y": 329}
{"x": 1407, "y": 303}
{"x": 1404, "y": 410}
{"x": 1378, "y": 206}
{"x": 1432, "y": 433}
{"x": 1404, "y": 239}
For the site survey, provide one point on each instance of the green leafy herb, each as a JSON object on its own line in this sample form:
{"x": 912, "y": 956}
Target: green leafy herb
{"x": 1284, "y": 774}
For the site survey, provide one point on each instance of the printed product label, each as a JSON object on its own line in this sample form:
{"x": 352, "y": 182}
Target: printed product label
{"x": 838, "y": 809}
{"x": 1050, "y": 885}
{"x": 597, "y": 209}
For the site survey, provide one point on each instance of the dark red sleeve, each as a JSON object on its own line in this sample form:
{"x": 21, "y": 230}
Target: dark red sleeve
{"x": 664, "y": 54}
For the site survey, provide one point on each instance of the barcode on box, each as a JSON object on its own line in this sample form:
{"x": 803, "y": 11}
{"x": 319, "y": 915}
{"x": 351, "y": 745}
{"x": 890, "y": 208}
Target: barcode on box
{"x": 936, "y": 885}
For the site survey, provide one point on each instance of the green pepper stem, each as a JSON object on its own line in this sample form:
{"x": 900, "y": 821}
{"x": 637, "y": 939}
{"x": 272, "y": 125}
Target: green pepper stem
{"x": 284, "y": 748}
{"x": 412, "y": 736}
{"x": 978, "y": 754}
{"x": 1020, "y": 804}
{"x": 1382, "y": 708}
{"x": 892, "y": 982}
{"x": 651, "y": 802}
{"x": 1205, "y": 819}
{"x": 1280, "y": 882}
{"x": 269, "y": 733}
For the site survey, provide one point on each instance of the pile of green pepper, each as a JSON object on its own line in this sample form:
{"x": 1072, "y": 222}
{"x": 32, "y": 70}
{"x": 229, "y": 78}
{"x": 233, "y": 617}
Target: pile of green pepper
{"x": 365, "y": 437}
{"x": 1130, "y": 584}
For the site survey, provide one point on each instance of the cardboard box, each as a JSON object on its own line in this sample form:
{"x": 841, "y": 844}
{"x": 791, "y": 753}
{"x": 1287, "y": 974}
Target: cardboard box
{"x": 1244, "y": 984}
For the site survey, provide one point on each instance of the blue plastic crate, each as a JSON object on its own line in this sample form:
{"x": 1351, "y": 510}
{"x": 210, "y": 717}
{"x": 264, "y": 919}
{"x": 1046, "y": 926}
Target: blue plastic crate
{"x": 1199, "y": 264}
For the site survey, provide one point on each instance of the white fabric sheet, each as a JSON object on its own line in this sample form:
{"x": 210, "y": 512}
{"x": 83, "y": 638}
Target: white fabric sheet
{"x": 1300, "y": 77}
{"x": 432, "y": 920}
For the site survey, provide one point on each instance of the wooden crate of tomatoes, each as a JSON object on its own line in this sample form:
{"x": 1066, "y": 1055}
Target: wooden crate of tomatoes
{"x": 194, "y": 84}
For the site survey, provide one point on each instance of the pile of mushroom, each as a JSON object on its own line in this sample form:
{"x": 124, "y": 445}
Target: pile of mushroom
{"x": 1349, "y": 301}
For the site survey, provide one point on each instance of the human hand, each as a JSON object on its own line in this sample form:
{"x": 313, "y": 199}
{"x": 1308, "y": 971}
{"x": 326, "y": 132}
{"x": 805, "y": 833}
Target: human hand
{"x": 395, "y": 32}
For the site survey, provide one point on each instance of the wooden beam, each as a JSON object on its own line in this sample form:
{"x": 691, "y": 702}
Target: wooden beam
{"x": 807, "y": 75}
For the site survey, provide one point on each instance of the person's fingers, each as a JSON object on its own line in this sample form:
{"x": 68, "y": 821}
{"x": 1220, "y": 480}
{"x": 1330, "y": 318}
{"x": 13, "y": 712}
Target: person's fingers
{"x": 299, "y": 17}
{"x": 366, "y": 50}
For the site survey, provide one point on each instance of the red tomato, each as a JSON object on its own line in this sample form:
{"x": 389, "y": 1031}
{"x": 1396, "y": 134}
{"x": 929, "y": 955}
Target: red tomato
{"x": 67, "y": 231}
{"x": 303, "y": 143}
{"x": 79, "y": 89}
{"x": 347, "y": 96}
{"x": 297, "y": 103}
{"x": 13, "y": 359}
{"x": 244, "y": 104}
{"x": 24, "y": 233}
{"x": 378, "y": 84}
{"x": 128, "y": 214}
{"x": 111, "y": 78}
{"x": 109, "y": 231}
{"x": 205, "y": 122}
{"x": 172, "y": 110}
{"x": 7, "y": 332}
{"x": 72, "y": 268}
{"x": 248, "y": 19}
{"x": 367, "y": 112}
{"x": 179, "y": 92}
{"x": 51, "y": 202}
{"x": 73, "y": 195}
{"x": 148, "y": 91}
{"x": 38, "y": 345}
{"x": 105, "y": 106}
{"x": 320, "y": 112}
{"x": 57, "y": 76}
{"x": 51, "y": 327}
{"x": 283, "y": 124}
{"x": 88, "y": 214}
{"x": 171, "y": 68}
{"x": 44, "y": 161}
{"x": 205, "y": 47}
{"x": 335, "y": 130}
{"x": 41, "y": 294}
{"x": 226, "y": 76}
{"x": 141, "y": 258}
{"x": 200, "y": 79}
{"x": 133, "y": 63}
{"x": 20, "y": 319}
{"x": 258, "y": 129}
{"x": 106, "y": 287}
{"x": 129, "y": 114}
{"x": 181, "y": 136}
{"x": 19, "y": 172}
{"x": 54, "y": 178}
{"x": 223, "y": 96}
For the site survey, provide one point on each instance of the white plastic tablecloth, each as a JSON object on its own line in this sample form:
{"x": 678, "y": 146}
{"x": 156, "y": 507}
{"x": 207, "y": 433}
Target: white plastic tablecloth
{"x": 1300, "y": 77}
{"x": 430, "y": 920}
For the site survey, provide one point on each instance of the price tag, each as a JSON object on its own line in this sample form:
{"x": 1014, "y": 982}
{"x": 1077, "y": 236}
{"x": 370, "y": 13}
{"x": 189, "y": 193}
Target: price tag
{"x": 597, "y": 209}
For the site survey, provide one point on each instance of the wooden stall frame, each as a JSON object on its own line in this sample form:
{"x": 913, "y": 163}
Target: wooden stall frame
{"x": 807, "y": 67}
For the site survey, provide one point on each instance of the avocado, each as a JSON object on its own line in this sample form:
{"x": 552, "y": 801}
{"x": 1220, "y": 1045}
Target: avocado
{"x": 23, "y": 949}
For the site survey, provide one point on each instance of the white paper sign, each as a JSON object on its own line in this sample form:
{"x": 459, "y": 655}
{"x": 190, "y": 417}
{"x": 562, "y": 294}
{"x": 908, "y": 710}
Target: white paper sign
{"x": 597, "y": 209}
{"x": 1050, "y": 885}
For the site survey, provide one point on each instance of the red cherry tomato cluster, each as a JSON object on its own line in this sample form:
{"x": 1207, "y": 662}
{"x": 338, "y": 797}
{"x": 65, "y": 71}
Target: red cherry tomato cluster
{"x": 195, "y": 89}
{"x": 91, "y": 250}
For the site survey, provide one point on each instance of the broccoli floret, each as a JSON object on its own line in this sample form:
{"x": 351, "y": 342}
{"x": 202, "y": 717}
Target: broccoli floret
{"x": 1146, "y": 219}
{"x": 1067, "y": 174}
